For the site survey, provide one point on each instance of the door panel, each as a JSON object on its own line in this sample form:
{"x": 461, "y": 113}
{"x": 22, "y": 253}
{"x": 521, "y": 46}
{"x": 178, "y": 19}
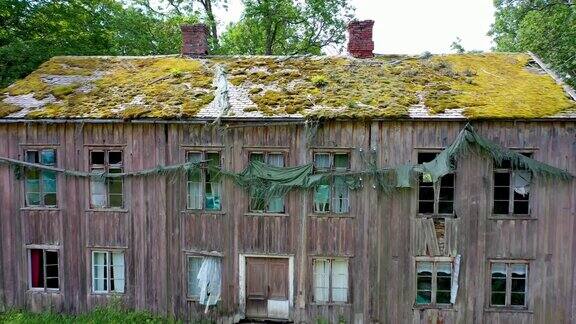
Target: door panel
{"x": 267, "y": 287}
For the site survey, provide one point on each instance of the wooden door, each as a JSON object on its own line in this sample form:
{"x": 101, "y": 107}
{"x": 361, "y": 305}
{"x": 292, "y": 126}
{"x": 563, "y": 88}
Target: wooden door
{"x": 267, "y": 287}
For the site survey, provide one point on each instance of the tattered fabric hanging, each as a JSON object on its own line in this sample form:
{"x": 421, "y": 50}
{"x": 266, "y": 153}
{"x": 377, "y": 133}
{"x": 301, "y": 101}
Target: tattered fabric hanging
{"x": 521, "y": 182}
{"x": 210, "y": 281}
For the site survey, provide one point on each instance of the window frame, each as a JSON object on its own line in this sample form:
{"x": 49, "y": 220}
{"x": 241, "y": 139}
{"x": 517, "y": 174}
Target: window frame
{"x": 332, "y": 168}
{"x": 203, "y": 171}
{"x": 109, "y": 253}
{"x": 39, "y": 148}
{"x": 437, "y": 187}
{"x": 330, "y": 300}
{"x": 511, "y": 200}
{"x": 266, "y": 153}
{"x": 201, "y": 256}
{"x": 434, "y": 284}
{"x": 106, "y": 168}
{"x": 44, "y": 249}
{"x": 508, "y": 293}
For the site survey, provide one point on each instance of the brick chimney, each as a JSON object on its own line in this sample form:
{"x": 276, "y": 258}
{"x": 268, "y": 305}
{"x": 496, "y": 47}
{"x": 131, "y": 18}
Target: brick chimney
{"x": 194, "y": 39}
{"x": 360, "y": 44}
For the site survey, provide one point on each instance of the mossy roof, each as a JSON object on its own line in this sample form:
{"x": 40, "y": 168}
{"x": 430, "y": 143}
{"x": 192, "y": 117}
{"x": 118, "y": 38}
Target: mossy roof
{"x": 474, "y": 86}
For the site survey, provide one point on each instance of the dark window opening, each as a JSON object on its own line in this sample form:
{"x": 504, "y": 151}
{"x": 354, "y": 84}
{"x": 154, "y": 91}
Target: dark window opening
{"x": 511, "y": 189}
{"x": 44, "y": 269}
{"x": 508, "y": 284}
{"x": 106, "y": 192}
{"x": 435, "y": 198}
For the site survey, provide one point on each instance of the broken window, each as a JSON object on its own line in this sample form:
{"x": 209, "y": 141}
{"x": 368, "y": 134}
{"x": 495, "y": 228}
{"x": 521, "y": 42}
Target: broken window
{"x": 44, "y": 272}
{"x": 108, "y": 272}
{"x": 106, "y": 192}
{"x": 204, "y": 183}
{"x": 511, "y": 194}
{"x": 433, "y": 282}
{"x": 40, "y": 185}
{"x": 204, "y": 279}
{"x": 508, "y": 284}
{"x": 330, "y": 280}
{"x": 332, "y": 195}
{"x": 258, "y": 201}
{"x": 435, "y": 198}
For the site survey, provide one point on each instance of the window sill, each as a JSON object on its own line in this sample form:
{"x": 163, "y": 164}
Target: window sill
{"x": 330, "y": 215}
{"x": 511, "y": 217}
{"x": 440, "y": 307}
{"x": 44, "y": 291}
{"x": 202, "y": 212}
{"x": 95, "y": 293}
{"x": 107, "y": 210}
{"x": 507, "y": 310}
{"x": 39, "y": 208}
{"x": 330, "y": 304}
{"x": 266, "y": 214}
{"x": 421, "y": 215}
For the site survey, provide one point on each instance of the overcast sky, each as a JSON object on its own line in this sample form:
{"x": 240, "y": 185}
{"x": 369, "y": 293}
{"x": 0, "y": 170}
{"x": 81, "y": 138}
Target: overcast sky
{"x": 415, "y": 26}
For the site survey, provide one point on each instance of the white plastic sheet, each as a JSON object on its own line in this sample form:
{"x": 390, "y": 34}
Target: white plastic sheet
{"x": 209, "y": 279}
{"x": 522, "y": 181}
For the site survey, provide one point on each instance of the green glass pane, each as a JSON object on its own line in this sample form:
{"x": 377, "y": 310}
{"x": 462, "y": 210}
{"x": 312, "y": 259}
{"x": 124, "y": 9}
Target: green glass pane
{"x": 32, "y": 199}
{"x": 213, "y": 159}
{"x": 444, "y": 283}
{"x": 116, "y": 201}
{"x": 423, "y": 297}
{"x": 518, "y": 285}
{"x": 48, "y": 157}
{"x": 443, "y": 297}
{"x": 48, "y": 175}
{"x": 322, "y": 194}
{"x": 517, "y": 299}
{"x": 115, "y": 186}
{"x": 498, "y": 285}
{"x": 50, "y": 199}
{"x": 341, "y": 161}
{"x": 322, "y": 160}
{"x": 276, "y": 205}
{"x": 49, "y": 186}
{"x": 32, "y": 185}
{"x": 498, "y": 299}
{"x": 424, "y": 283}
{"x": 32, "y": 174}
{"x": 195, "y": 175}
{"x": 257, "y": 157}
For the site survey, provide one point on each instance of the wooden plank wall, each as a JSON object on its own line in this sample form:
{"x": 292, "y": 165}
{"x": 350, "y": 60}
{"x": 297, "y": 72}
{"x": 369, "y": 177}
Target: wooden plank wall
{"x": 380, "y": 237}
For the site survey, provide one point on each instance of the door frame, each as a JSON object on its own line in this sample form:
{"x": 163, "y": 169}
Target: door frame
{"x": 242, "y": 277}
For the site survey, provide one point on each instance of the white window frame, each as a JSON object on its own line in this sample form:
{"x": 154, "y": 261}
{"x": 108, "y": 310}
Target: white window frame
{"x": 106, "y": 169}
{"x": 108, "y": 268}
{"x": 508, "y": 292}
{"x": 437, "y": 187}
{"x": 434, "y": 284}
{"x": 332, "y": 198}
{"x": 44, "y": 250}
{"x": 330, "y": 287}
{"x": 203, "y": 178}
{"x": 266, "y": 155}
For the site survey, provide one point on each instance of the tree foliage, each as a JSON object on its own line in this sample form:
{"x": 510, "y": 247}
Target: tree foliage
{"x": 545, "y": 27}
{"x": 287, "y": 27}
{"x": 33, "y": 31}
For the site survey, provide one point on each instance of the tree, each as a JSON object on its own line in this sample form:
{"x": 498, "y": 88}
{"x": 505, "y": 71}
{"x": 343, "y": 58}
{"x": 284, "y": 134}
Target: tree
{"x": 545, "y": 27}
{"x": 33, "y": 31}
{"x": 287, "y": 27}
{"x": 457, "y": 47}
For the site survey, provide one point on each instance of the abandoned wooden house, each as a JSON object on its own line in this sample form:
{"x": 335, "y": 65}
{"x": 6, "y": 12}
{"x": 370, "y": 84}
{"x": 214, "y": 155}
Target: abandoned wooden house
{"x": 360, "y": 189}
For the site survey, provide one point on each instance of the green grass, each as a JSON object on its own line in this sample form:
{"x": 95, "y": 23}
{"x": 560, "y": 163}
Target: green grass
{"x": 99, "y": 315}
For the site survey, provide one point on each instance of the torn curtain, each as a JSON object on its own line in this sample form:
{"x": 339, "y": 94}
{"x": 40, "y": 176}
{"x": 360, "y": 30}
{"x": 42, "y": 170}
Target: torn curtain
{"x": 209, "y": 279}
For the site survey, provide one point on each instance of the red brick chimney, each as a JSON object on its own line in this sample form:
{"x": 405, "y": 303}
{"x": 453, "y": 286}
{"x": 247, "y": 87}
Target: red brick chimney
{"x": 194, "y": 39}
{"x": 360, "y": 44}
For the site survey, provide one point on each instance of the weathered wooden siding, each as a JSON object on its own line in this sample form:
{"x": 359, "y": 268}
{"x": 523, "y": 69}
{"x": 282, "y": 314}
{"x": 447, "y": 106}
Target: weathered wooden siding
{"x": 380, "y": 236}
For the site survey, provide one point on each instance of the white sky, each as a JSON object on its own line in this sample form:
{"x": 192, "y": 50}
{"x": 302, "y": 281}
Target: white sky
{"x": 415, "y": 26}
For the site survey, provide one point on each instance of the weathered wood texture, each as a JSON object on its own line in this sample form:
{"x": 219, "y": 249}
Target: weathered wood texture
{"x": 381, "y": 236}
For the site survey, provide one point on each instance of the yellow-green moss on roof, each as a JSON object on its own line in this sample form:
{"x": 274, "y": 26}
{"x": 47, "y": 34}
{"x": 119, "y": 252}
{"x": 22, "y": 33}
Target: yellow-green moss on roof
{"x": 477, "y": 85}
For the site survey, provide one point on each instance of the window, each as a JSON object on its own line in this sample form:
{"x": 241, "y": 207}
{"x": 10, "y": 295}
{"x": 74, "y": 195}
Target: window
{"x": 511, "y": 189}
{"x": 433, "y": 282}
{"x": 332, "y": 195}
{"x": 258, "y": 202}
{"x": 43, "y": 269}
{"x": 108, "y": 272}
{"x": 204, "y": 183}
{"x": 330, "y": 280}
{"x": 106, "y": 192}
{"x": 435, "y": 198}
{"x": 40, "y": 185}
{"x": 204, "y": 278}
{"x": 508, "y": 284}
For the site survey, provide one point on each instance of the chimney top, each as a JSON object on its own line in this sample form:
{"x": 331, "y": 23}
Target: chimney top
{"x": 360, "y": 44}
{"x": 194, "y": 40}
